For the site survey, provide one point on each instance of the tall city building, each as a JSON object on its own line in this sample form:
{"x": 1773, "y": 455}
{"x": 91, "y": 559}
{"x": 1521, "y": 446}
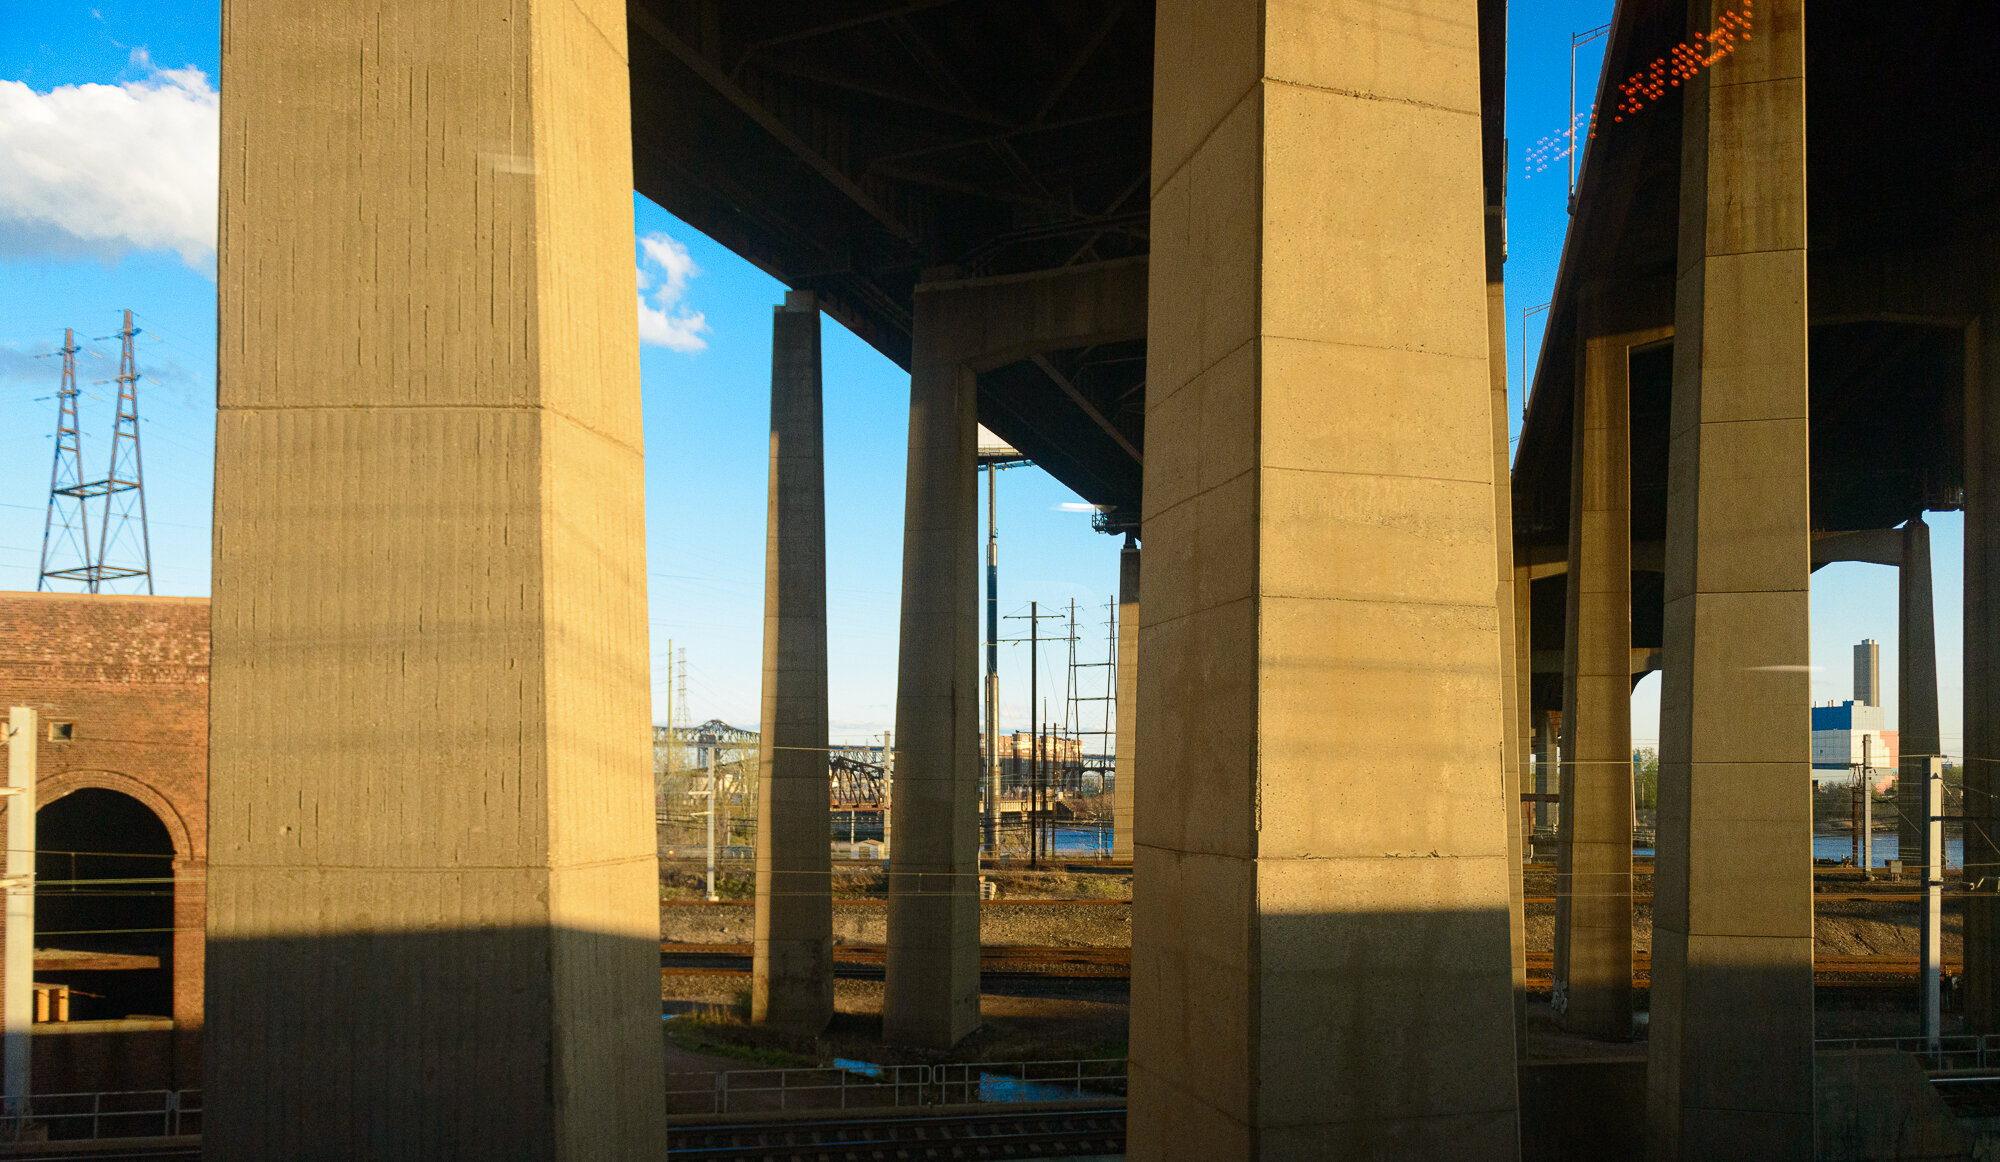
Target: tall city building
{"x": 1868, "y": 672}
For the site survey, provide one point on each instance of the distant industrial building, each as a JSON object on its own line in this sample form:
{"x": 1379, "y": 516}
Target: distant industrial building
{"x": 1843, "y": 733}
{"x": 1868, "y": 672}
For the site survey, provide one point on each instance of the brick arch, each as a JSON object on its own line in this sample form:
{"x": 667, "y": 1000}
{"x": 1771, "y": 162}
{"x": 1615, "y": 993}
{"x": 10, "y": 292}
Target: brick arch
{"x": 57, "y": 786}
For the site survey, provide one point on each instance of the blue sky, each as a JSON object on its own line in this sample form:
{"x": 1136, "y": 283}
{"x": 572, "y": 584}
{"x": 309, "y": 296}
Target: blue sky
{"x": 102, "y": 207}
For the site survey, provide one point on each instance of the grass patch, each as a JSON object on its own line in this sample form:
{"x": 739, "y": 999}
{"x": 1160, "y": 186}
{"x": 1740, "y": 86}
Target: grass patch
{"x": 728, "y": 1035}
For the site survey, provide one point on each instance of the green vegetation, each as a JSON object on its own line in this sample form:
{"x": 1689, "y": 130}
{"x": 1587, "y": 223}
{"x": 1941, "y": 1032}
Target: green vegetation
{"x": 720, "y": 1034}
{"x": 1646, "y": 779}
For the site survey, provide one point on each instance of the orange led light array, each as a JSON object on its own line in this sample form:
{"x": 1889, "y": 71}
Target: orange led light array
{"x": 1683, "y": 62}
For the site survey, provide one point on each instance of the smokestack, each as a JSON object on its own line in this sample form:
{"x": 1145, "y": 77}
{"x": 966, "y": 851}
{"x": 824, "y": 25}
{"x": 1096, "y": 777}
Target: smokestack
{"x": 1868, "y": 672}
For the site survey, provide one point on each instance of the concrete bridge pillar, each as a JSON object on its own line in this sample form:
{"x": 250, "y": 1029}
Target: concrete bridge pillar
{"x": 963, "y": 327}
{"x": 1513, "y": 751}
{"x": 1594, "y": 854}
{"x": 433, "y": 910}
{"x": 792, "y": 965}
{"x": 1547, "y": 778}
{"x": 931, "y": 996}
{"x": 1321, "y": 921}
{"x": 1982, "y": 655}
{"x": 1730, "y": 1057}
{"x": 1917, "y": 693}
{"x": 1125, "y": 782}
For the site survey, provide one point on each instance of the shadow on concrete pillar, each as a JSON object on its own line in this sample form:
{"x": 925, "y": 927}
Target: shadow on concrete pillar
{"x": 1917, "y": 693}
{"x": 1125, "y": 778}
{"x": 1730, "y": 1054}
{"x": 1982, "y": 661}
{"x": 1593, "y": 972}
{"x": 1322, "y": 859}
{"x": 433, "y": 879}
{"x": 931, "y": 995}
{"x": 792, "y": 963}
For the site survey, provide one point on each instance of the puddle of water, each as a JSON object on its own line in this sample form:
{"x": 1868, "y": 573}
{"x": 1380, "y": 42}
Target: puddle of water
{"x": 993, "y": 1087}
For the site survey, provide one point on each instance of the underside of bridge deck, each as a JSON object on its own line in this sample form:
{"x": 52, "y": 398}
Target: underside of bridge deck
{"x": 858, "y": 147}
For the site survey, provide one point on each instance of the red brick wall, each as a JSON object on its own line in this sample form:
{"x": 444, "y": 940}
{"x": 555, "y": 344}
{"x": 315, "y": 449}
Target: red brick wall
{"x": 131, "y": 676}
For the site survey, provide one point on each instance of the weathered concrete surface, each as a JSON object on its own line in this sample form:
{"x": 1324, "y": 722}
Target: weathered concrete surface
{"x": 1878, "y": 1106}
{"x": 1513, "y": 765}
{"x": 1583, "y": 1111}
{"x": 1594, "y": 855}
{"x": 792, "y": 974}
{"x": 963, "y": 326}
{"x": 1730, "y": 1057}
{"x": 431, "y": 768}
{"x": 1916, "y": 691}
{"x": 1982, "y": 650}
{"x": 1126, "y": 771}
{"x": 932, "y": 981}
{"x": 1322, "y": 852}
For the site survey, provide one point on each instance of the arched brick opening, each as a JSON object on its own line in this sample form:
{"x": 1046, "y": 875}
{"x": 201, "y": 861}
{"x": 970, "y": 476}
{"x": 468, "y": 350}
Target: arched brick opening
{"x": 105, "y": 871}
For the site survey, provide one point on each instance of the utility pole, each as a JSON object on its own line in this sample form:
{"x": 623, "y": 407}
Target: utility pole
{"x": 17, "y": 1014}
{"x": 1867, "y": 807}
{"x": 1932, "y": 938}
{"x": 1034, "y": 735}
{"x": 888, "y": 791}
{"x": 1854, "y": 814}
{"x": 711, "y": 825}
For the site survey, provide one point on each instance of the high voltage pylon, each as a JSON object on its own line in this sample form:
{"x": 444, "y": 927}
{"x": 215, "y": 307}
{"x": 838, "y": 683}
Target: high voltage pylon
{"x": 72, "y": 535}
{"x": 121, "y": 552}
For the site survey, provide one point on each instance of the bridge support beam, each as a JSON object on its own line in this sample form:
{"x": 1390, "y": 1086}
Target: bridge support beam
{"x": 1982, "y": 657}
{"x": 931, "y": 993}
{"x": 1594, "y": 860}
{"x": 433, "y": 902}
{"x": 1124, "y": 782}
{"x": 1917, "y": 692}
{"x": 1322, "y": 848}
{"x": 963, "y": 327}
{"x": 792, "y": 968}
{"x": 1730, "y": 1055}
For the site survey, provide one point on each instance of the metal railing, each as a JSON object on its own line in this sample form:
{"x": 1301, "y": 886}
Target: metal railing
{"x": 141, "y": 1113}
{"x": 860, "y": 1085}
{"x": 1964, "y": 1051}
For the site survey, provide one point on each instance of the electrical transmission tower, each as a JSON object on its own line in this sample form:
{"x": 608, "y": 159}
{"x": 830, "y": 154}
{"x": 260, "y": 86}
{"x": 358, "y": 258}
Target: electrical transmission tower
{"x": 122, "y": 552}
{"x": 66, "y": 530}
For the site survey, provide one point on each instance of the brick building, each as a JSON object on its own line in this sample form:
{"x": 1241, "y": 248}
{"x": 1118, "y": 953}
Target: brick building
{"x": 121, "y": 684}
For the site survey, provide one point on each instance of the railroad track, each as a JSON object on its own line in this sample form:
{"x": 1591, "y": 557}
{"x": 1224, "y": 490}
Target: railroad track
{"x": 960, "y": 1137}
{"x": 866, "y": 961}
{"x": 181, "y": 1149}
{"x": 1828, "y": 971}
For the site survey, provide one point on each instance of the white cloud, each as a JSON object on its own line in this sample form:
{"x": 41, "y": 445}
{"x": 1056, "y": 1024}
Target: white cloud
{"x": 103, "y": 169}
{"x": 1073, "y": 506}
{"x": 666, "y": 321}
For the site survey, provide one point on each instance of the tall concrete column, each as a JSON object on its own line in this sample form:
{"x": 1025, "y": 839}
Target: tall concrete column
{"x": 1594, "y": 970}
{"x": 1512, "y": 753}
{"x": 1128, "y": 701}
{"x": 1322, "y": 852}
{"x": 1547, "y": 779}
{"x": 1524, "y": 686}
{"x": 433, "y": 904}
{"x": 1917, "y": 693}
{"x": 931, "y": 995}
{"x": 1730, "y": 1058}
{"x": 1982, "y": 659}
{"x": 792, "y": 963}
